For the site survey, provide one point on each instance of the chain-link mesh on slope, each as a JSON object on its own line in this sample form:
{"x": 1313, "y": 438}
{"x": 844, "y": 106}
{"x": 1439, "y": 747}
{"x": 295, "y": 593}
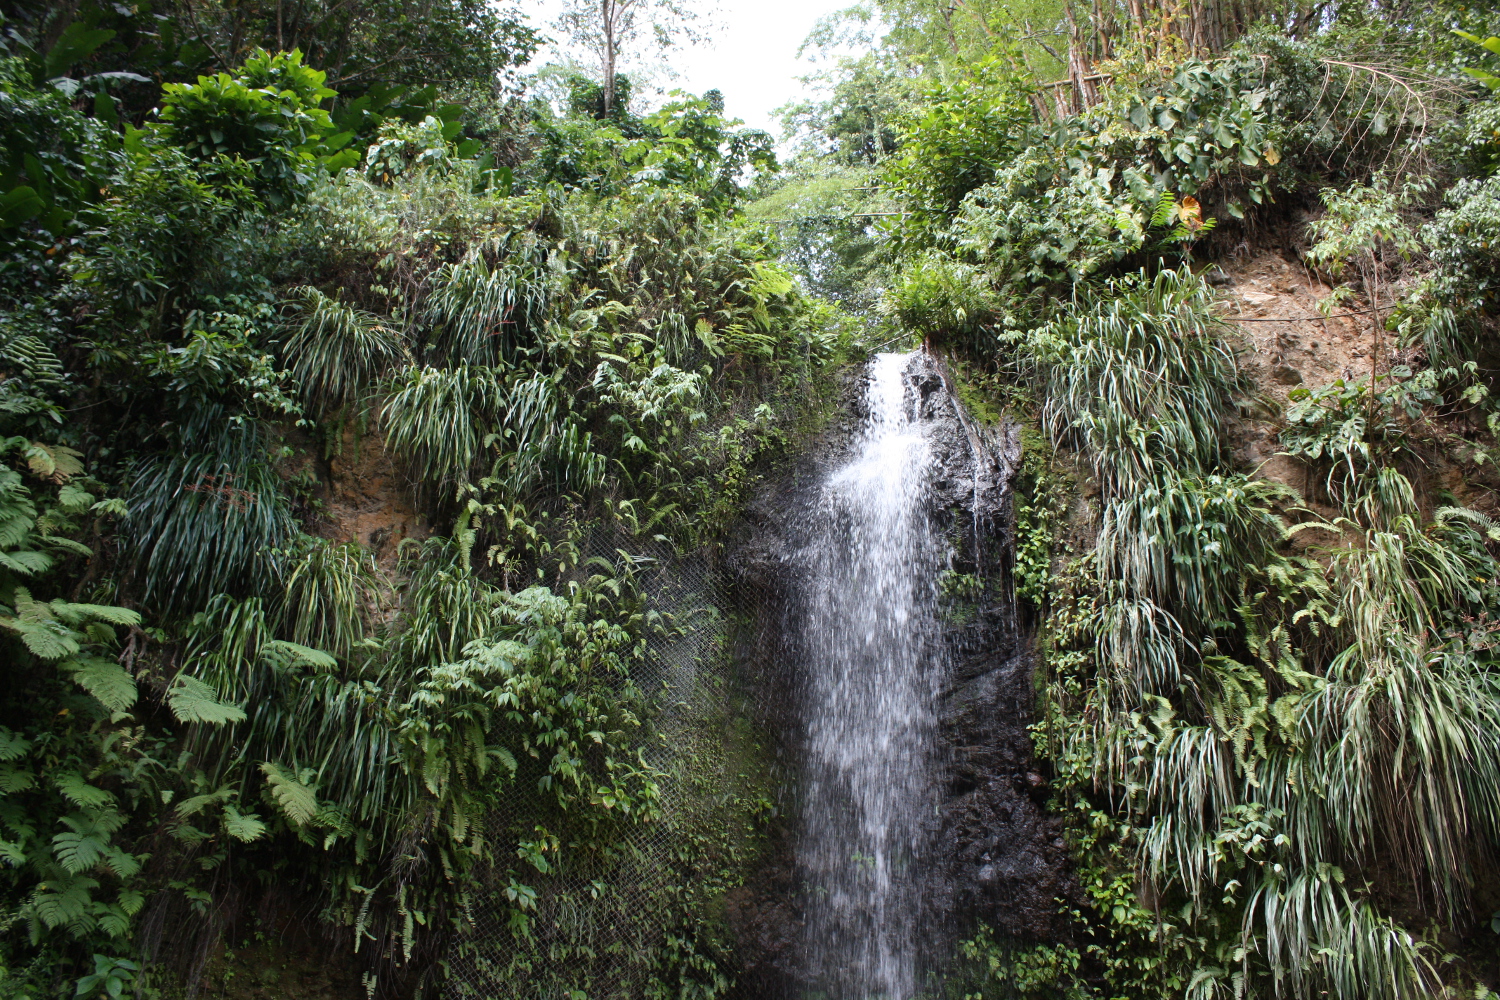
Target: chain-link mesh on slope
{"x": 604, "y": 926}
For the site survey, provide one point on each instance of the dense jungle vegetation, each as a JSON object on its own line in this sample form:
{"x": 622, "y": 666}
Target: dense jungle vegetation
{"x": 252, "y": 253}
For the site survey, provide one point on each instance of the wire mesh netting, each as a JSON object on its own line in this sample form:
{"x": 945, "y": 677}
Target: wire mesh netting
{"x": 606, "y": 924}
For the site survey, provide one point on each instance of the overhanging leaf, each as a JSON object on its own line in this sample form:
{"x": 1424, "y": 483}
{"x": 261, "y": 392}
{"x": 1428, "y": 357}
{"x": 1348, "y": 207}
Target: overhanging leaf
{"x": 76, "y": 43}
{"x": 106, "y": 680}
{"x": 78, "y": 791}
{"x": 62, "y": 900}
{"x": 47, "y": 640}
{"x": 12, "y": 744}
{"x": 282, "y": 652}
{"x": 78, "y": 852}
{"x": 192, "y": 700}
{"x": 297, "y": 802}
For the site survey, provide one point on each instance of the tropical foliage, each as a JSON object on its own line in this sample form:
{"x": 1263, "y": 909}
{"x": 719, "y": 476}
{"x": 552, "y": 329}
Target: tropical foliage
{"x": 214, "y": 674}
{"x": 1269, "y": 703}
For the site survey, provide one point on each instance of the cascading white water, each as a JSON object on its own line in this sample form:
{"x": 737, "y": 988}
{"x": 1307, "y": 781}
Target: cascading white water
{"x": 874, "y": 664}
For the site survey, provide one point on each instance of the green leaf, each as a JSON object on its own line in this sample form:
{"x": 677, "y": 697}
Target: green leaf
{"x": 73, "y": 499}
{"x": 1484, "y": 76}
{"x": 12, "y": 744}
{"x": 282, "y": 652}
{"x": 115, "y": 924}
{"x": 188, "y": 807}
{"x": 298, "y": 802}
{"x": 103, "y": 612}
{"x": 243, "y": 826}
{"x": 15, "y": 779}
{"x": 192, "y": 700}
{"x": 26, "y": 562}
{"x": 1492, "y": 43}
{"x": 78, "y": 42}
{"x": 122, "y": 863}
{"x": 106, "y": 680}
{"x": 60, "y": 900}
{"x": 78, "y": 852}
{"x": 106, "y": 110}
{"x": 79, "y": 792}
{"x": 114, "y": 506}
{"x": 18, "y": 205}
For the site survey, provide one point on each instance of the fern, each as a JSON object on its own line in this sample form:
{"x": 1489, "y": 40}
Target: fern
{"x": 297, "y": 801}
{"x": 244, "y": 827}
{"x": 106, "y": 680}
{"x": 79, "y": 792}
{"x": 12, "y": 745}
{"x": 282, "y": 653}
{"x": 192, "y": 700}
{"x": 63, "y": 900}
{"x": 78, "y": 852}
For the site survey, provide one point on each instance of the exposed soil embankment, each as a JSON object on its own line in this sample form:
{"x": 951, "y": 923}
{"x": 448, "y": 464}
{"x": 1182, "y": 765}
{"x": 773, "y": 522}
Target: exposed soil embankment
{"x": 1276, "y": 305}
{"x": 359, "y": 492}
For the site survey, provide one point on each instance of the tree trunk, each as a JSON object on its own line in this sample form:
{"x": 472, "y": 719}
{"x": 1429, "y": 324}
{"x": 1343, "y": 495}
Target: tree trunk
{"x": 607, "y": 13}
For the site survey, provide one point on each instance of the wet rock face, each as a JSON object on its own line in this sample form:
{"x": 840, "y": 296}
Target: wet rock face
{"x": 993, "y": 855}
{"x": 998, "y": 857}
{"x": 1002, "y": 858}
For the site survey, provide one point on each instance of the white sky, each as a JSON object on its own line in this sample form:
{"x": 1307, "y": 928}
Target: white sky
{"x": 752, "y": 57}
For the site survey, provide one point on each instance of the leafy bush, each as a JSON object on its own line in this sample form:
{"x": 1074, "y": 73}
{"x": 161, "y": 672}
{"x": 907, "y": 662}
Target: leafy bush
{"x": 266, "y": 115}
{"x": 484, "y": 314}
{"x": 953, "y": 145}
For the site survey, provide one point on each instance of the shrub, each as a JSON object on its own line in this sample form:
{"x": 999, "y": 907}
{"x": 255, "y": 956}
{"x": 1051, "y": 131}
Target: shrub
{"x": 265, "y": 115}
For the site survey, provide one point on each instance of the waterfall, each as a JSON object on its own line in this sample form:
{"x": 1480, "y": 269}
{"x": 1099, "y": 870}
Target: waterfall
{"x": 875, "y": 664}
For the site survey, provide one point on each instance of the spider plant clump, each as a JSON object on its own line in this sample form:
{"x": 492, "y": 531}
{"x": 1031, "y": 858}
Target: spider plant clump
{"x": 338, "y": 352}
{"x": 207, "y": 520}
